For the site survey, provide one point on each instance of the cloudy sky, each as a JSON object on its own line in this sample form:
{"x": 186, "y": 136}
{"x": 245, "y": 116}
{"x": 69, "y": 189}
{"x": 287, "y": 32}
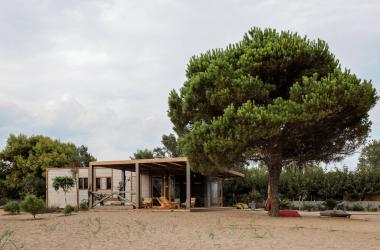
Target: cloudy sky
{"x": 99, "y": 72}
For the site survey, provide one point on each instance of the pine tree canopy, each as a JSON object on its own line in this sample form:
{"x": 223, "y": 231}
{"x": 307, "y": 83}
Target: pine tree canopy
{"x": 271, "y": 95}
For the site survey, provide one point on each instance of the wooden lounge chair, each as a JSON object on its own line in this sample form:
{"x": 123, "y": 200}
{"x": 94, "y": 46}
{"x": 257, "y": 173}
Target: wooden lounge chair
{"x": 147, "y": 202}
{"x": 192, "y": 202}
{"x": 165, "y": 203}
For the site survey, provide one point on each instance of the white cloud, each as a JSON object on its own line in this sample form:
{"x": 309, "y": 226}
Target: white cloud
{"x": 99, "y": 72}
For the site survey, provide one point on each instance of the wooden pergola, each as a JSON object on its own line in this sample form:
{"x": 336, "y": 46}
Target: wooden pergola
{"x": 151, "y": 166}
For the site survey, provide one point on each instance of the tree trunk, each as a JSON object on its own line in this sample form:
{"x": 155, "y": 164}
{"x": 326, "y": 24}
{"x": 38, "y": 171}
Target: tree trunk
{"x": 274, "y": 179}
{"x": 65, "y": 199}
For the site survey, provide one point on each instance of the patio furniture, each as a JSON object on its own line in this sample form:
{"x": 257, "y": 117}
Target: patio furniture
{"x": 335, "y": 213}
{"x": 147, "y": 202}
{"x": 165, "y": 203}
{"x": 192, "y": 202}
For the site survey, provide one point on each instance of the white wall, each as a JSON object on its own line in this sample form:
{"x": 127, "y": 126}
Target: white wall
{"x": 57, "y": 198}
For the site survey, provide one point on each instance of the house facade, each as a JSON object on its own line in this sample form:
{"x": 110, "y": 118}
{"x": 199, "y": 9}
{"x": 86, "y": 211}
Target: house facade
{"x": 129, "y": 182}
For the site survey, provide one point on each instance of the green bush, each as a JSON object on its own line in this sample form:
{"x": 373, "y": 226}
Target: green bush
{"x": 68, "y": 209}
{"x": 285, "y": 203}
{"x": 330, "y": 203}
{"x": 83, "y": 205}
{"x": 12, "y": 207}
{"x": 357, "y": 207}
{"x": 33, "y": 205}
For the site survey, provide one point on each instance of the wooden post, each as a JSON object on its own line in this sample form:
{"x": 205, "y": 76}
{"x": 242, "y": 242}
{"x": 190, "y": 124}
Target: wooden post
{"x": 188, "y": 186}
{"x": 208, "y": 192}
{"x": 123, "y": 176}
{"x": 137, "y": 168}
{"x": 90, "y": 185}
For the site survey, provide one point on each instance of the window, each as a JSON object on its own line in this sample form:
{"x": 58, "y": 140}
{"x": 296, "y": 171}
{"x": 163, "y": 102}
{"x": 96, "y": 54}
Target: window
{"x": 80, "y": 183}
{"x": 97, "y": 183}
{"x": 83, "y": 183}
{"x": 109, "y": 183}
{"x": 103, "y": 183}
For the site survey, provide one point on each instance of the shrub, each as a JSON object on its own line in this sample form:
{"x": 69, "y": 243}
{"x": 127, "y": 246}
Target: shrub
{"x": 12, "y": 207}
{"x": 330, "y": 203}
{"x": 3, "y": 201}
{"x": 83, "y": 205}
{"x": 285, "y": 203}
{"x": 68, "y": 209}
{"x": 357, "y": 207}
{"x": 32, "y": 205}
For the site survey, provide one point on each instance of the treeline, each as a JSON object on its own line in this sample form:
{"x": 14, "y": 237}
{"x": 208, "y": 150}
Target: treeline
{"x": 312, "y": 182}
{"x": 309, "y": 183}
{"x": 24, "y": 160}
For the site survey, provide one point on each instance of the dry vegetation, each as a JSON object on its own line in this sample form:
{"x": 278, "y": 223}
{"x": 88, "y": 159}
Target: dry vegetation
{"x": 182, "y": 230}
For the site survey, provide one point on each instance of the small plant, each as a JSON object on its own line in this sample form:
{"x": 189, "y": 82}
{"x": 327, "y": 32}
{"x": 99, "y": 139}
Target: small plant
{"x": 285, "y": 203}
{"x": 330, "y": 203}
{"x": 83, "y": 205}
{"x": 64, "y": 182}
{"x": 32, "y": 205}
{"x": 13, "y": 207}
{"x": 68, "y": 209}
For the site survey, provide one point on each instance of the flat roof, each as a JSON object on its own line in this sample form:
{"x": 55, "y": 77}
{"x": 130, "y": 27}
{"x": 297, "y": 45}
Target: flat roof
{"x": 177, "y": 165}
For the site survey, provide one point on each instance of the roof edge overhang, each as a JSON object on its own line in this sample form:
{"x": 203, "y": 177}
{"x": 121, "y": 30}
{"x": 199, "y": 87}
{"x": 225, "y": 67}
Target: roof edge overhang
{"x": 183, "y": 160}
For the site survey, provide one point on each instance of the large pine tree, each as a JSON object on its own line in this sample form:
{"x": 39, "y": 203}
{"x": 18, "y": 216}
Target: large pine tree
{"x": 274, "y": 97}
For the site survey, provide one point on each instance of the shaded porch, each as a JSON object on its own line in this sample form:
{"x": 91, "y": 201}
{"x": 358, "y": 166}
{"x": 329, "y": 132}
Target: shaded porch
{"x": 164, "y": 178}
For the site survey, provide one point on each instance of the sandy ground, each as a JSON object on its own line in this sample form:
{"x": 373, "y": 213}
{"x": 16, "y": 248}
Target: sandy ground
{"x": 233, "y": 229}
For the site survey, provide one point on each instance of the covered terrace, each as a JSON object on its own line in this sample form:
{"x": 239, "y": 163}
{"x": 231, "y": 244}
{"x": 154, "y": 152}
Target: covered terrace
{"x": 178, "y": 167}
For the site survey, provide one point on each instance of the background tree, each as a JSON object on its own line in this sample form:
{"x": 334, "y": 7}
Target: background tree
{"x": 170, "y": 149}
{"x": 32, "y": 185}
{"x": 370, "y": 156}
{"x": 273, "y": 97}
{"x": 24, "y": 160}
{"x": 84, "y": 156}
{"x": 143, "y": 154}
{"x": 25, "y": 156}
{"x": 63, "y": 182}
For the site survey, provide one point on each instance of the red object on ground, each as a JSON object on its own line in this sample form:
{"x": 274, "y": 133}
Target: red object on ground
{"x": 289, "y": 213}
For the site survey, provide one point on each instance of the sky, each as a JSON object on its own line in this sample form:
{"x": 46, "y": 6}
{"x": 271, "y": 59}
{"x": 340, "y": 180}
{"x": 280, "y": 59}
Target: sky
{"x": 99, "y": 73}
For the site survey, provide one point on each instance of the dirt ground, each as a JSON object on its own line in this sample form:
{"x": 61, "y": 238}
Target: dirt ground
{"x": 233, "y": 229}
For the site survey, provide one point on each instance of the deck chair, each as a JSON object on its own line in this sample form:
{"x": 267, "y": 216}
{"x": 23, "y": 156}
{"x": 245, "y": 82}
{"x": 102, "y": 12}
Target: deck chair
{"x": 165, "y": 203}
{"x": 147, "y": 202}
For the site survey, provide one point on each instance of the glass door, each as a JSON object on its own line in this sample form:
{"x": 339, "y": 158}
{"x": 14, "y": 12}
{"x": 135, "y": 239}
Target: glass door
{"x": 216, "y": 192}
